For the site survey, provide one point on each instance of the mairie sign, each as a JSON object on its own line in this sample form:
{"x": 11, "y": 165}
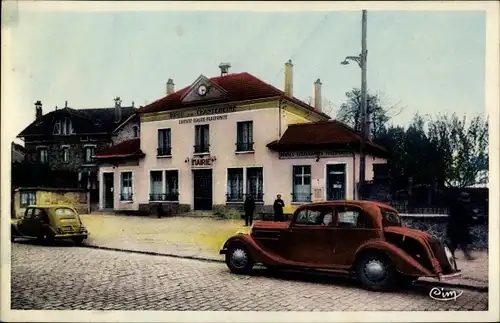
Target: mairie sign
{"x": 312, "y": 154}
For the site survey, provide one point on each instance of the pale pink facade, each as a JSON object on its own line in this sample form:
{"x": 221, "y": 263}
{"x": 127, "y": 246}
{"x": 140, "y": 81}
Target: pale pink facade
{"x": 156, "y": 175}
{"x": 277, "y": 173}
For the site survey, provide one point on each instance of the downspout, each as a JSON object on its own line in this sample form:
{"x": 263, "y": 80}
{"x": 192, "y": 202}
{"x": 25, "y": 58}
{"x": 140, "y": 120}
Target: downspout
{"x": 279, "y": 117}
{"x": 354, "y": 175}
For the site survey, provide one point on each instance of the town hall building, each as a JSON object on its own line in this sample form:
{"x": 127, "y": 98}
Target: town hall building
{"x": 223, "y": 138}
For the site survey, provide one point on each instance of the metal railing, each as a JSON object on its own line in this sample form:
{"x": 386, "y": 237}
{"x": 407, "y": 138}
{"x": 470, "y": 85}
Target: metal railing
{"x": 164, "y": 151}
{"x": 301, "y": 197}
{"x": 203, "y": 148}
{"x": 234, "y": 197}
{"x": 258, "y": 197}
{"x": 244, "y": 146}
{"x": 126, "y": 196}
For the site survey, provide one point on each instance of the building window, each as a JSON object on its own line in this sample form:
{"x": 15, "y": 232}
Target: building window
{"x": 43, "y": 156}
{"x": 164, "y": 142}
{"x": 65, "y": 154}
{"x": 89, "y": 154}
{"x": 164, "y": 191}
{"x": 172, "y": 185}
{"x": 244, "y": 138}
{"x": 202, "y": 141}
{"x": 27, "y": 198}
{"x": 135, "y": 131}
{"x": 156, "y": 193}
{"x": 301, "y": 184}
{"x": 235, "y": 184}
{"x": 126, "y": 186}
{"x": 63, "y": 127}
{"x": 255, "y": 183}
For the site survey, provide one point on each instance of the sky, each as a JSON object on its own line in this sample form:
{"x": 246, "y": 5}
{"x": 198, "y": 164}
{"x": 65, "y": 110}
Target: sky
{"x": 428, "y": 62}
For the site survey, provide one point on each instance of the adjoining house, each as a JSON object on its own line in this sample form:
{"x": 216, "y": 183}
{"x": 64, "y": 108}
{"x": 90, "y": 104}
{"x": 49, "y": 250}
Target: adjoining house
{"x": 26, "y": 196}
{"x": 60, "y": 145}
{"x": 17, "y": 153}
{"x": 220, "y": 139}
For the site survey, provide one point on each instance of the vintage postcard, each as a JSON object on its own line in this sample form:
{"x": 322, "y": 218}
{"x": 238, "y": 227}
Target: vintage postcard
{"x": 250, "y": 161}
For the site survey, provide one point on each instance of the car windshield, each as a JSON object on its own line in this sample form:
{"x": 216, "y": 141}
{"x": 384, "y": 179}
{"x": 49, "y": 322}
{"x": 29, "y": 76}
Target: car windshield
{"x": 390, "y": 218}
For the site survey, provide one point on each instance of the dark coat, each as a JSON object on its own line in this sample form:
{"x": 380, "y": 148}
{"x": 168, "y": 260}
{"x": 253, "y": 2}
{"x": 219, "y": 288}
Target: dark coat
{"x": 249, "y": 206}
{"x": 278, "y": 206}
{"x": 459, "y": 221}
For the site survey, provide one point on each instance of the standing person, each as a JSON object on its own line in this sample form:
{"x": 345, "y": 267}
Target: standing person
{"x": 249, "y": 209}
{"x": 278, "y": 208}
{"x": 458, "y": 225}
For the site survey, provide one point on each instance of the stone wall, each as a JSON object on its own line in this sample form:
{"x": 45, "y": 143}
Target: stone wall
{"x": 80, "y": 200}
{"x": 127, "y": 131}
{"x": 76, "y": 151}
{"x": 169, "y": 208}
{"x": 437, "y": 226}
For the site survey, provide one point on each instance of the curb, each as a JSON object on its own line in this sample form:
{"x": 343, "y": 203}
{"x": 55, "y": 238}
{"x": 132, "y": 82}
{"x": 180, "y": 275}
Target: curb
{"x": 153, "y": 253}
{"x": 161, "y": 254}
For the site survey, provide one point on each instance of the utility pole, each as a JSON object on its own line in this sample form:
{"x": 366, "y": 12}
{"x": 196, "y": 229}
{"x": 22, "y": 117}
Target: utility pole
{"x": 365, "y": 114}
{"x": 364, "y": 109}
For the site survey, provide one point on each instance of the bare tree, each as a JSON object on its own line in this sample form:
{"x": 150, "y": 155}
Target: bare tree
{"x": 327, "y": 106}
{"x": 350, "y": 112}
{"x": 463, "y": 145}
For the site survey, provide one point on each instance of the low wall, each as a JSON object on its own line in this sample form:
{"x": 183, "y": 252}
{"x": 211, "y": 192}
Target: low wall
{"x": 436, "y": 224}
{"x": 169, "y": 209}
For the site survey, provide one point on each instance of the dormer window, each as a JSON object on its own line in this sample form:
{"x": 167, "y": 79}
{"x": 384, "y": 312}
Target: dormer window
{"x": 63, "y": 127}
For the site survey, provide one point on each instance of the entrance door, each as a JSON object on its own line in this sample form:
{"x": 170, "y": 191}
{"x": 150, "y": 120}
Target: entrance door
{"x": 335, "y": 182}
{"x": 108, "y": 195}
{"x": 202, "y": 189}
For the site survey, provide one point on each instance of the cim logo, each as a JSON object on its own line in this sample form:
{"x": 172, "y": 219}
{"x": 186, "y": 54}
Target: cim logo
{"x": 444, "y": 294}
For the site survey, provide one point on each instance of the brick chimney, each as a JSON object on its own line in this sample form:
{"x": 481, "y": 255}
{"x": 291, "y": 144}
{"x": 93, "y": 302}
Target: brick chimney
{"x": 289, "y": 78}
{"x": 170, "y": 86}
{"x": 118, "y": 109}
{"x": 317, "y": 95}
{"x": 38, "y": 109}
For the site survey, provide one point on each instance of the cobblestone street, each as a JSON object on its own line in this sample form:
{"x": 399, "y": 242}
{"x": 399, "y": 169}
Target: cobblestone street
{"x": 66, "y": 277}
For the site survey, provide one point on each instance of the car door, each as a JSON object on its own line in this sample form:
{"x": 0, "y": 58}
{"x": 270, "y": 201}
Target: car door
{"x": 308, "y": 239}
{"x": 25, "y": 224}
{"x": 353, "y": 228}
{"x": 40, "y": 218}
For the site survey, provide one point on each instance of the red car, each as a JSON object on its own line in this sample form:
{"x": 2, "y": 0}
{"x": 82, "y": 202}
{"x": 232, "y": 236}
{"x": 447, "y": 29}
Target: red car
{"x": 364, "y": 239}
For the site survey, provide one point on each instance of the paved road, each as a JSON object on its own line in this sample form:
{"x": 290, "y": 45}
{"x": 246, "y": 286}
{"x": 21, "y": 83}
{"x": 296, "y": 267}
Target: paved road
{"x": 66, "y": 277}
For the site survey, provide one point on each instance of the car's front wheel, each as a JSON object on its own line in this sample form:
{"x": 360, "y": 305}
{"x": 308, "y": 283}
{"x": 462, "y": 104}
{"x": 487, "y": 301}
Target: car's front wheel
{"x": 238, "y": 259}
{"x": 376, "y": 272}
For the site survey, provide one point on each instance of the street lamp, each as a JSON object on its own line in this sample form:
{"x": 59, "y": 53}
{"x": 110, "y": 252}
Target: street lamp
{"x": 365, "y": 131}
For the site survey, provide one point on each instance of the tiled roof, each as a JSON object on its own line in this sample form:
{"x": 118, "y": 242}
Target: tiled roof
{"x": 127, "y": 148}
{"x": 99, "y": 120}
{"x": 237, "y": 87}
{"x": 323, "y": 134}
